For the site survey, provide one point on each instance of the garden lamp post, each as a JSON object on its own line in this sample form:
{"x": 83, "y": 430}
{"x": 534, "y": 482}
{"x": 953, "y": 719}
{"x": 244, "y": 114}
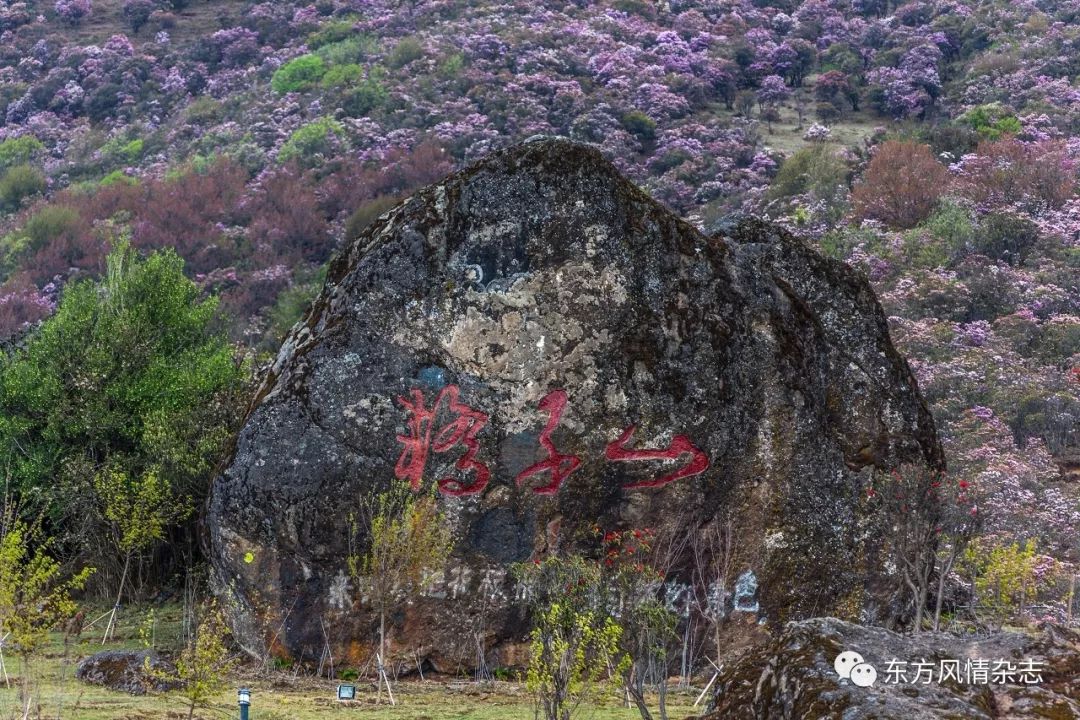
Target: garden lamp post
{"x": 243, "y": 696}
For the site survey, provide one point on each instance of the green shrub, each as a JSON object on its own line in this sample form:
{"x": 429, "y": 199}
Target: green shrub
{"x": 203, "y": 109}
{"x": 991, "y": 121}
{"x": 840, "y": 242}
{"x": 311, "y": 139}
{"x": 840, "y": 56}
{"x": 956, "y": 140}
{"x": 452, "y": 66}
{"x": 949, "y": 231}
{"x": 49, "y": 224}
{"x": 366, "y": 214}
{"x": 351, "y": 50}
{"x": 817, "y": 171}
{"x": 332, "y": 32}
{"x": 639, "y": 124}
{"x": 1060, "y": 338}
{"x": 636, "y": 7}
{"x": 342, "y": 76}
{"x": 405, "y": 52}
{"x": 155, "y": 381}
{"x": 19, "y": 151}
{"x": 122, "y": 150}
{"x": 19, "y": 183}
{"x": 1006, "y": 237}
{"x": 133, "y": 150}
{"x": 365, "y": 97}
{"x": 290, "y": 306}
{"x": 116, "y": 177}
{"x": 298, "y": 74}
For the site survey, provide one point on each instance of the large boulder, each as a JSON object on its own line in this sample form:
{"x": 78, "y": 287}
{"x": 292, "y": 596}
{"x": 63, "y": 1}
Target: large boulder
{"x": 555, "y": 350}
{"x": 1007, "y": 675}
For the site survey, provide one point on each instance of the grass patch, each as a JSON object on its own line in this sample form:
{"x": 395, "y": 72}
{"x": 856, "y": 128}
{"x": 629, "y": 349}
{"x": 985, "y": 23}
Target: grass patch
{"x": 787, "y": 137}
{"x": 277, "y": 694}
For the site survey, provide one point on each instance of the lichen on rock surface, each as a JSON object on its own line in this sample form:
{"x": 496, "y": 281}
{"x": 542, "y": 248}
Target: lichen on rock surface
{"x": 556, "y": 350}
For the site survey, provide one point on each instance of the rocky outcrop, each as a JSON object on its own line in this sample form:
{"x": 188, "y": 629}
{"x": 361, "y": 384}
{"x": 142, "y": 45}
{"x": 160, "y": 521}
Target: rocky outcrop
{"x": 554, "y": 349}
{"x": 1009, "y": 675}
{"x": 126, "y": 671}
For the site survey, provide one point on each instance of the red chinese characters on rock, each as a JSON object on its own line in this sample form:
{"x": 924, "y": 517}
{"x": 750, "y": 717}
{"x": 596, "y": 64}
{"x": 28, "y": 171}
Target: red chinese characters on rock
{"x": 560, "y": 466}
{"x": 464, "y": 424}
{"x": 680, "y": 445}
{"x": 462, "y": 428}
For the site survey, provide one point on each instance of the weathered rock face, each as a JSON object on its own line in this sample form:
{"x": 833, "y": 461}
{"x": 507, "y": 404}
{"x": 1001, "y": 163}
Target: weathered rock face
{"x": 555, "y": 349}
{"x": 1033, "y": 675}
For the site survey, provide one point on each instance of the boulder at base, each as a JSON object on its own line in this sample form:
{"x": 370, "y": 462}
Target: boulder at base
{"x": 1008, "y": 675}
{"x": 125, "y": 670}
{"x": 554, "y": 350}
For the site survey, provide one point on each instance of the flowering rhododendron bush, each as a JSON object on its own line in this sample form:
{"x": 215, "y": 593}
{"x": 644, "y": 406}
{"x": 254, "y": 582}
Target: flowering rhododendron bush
{"x": 255, "y": 138}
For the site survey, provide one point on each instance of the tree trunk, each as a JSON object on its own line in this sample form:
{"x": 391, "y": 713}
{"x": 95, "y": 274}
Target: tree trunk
{"x": 642, "y": 706}
{"x": 634, "y": 690}
{"x": 945, "y": 570}
{"x": 25, "y": 693}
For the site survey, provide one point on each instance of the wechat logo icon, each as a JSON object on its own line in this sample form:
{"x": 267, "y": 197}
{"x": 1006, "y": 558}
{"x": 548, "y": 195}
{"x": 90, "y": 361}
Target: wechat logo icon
{"x": 850, "y": 665}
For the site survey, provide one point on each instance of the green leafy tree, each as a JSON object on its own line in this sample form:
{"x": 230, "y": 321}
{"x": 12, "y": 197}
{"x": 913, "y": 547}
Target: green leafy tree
{"x": 1004, "y": 577}
{"x": 138, "y": 510}
{"x": 203, "y": 666}
{"x": 35, "y": 591}
{"x": 114, "y": 411}
{"x": 407, "y": 536}
{"x": 575, "y": 642}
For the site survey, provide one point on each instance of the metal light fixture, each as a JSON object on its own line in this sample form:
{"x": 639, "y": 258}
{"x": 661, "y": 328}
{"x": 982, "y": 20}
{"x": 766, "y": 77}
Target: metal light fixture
{"x": 243, "y": 697}
{"x": 346, "y": 692}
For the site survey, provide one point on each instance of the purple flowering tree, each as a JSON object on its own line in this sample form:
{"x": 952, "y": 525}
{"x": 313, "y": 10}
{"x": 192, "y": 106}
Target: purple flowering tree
{"x": 73, "y": 11}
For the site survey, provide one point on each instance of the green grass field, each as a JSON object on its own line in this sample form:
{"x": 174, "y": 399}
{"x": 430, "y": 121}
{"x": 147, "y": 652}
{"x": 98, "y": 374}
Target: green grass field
{"x": 276, "y": 694}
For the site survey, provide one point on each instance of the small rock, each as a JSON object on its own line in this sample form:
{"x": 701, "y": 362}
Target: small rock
{"x": 125, "y": 670}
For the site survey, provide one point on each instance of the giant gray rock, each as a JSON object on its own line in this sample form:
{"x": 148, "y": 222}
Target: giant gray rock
{"x": 555, "y": 351}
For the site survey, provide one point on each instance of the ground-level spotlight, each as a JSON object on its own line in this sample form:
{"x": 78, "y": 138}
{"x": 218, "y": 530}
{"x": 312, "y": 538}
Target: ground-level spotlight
{"x": 346, "y": 692}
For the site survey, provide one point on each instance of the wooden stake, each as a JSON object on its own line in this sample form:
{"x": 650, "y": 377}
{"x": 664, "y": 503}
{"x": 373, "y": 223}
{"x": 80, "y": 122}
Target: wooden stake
{"x": 119, "y": 594}
{"x": 716, "y": 674}
{"x": 382, "y": 674}
{"x": 3, "y": 665}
